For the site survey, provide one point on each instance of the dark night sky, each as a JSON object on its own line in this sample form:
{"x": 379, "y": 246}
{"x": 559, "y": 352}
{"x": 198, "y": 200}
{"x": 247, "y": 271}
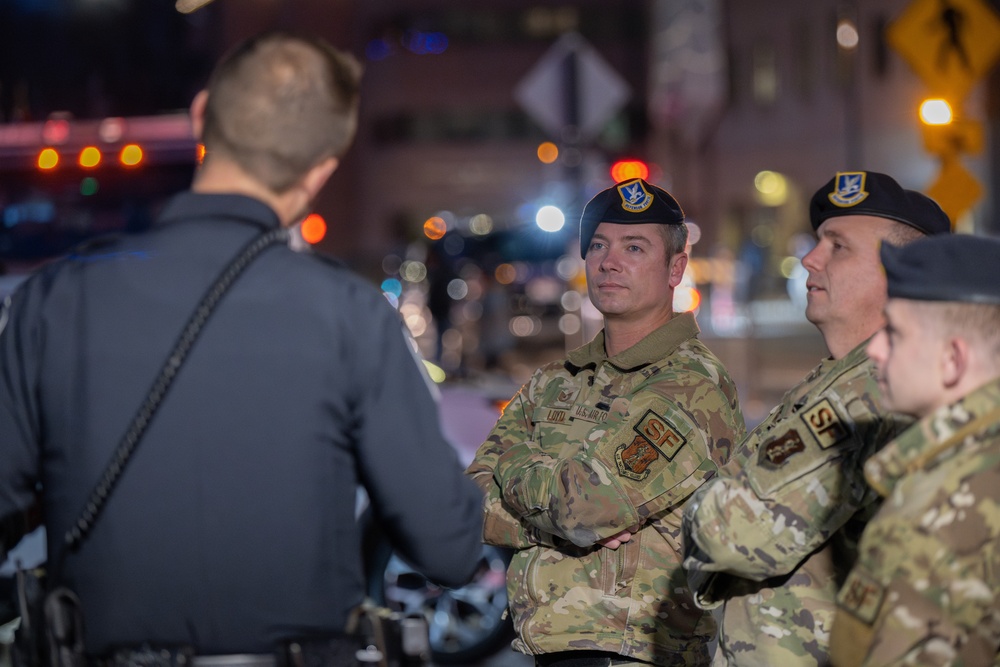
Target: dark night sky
{"x": 96, "y": 58}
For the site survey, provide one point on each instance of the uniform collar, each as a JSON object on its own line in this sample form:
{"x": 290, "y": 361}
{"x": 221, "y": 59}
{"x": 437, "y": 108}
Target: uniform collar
{"x": 932, "y": 436}
{"x": 856, "y": 356}
{"x": 195, "y": 205}
{"x": 659, "y": 344}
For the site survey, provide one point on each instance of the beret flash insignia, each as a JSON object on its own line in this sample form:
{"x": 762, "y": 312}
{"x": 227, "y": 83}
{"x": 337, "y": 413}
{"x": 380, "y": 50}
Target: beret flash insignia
{"x": 634, "y": 196}
{"x": 849, "y": 190}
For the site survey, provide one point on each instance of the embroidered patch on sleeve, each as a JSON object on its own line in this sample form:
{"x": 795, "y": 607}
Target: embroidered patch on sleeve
{"x": 657, "y": 439}
{"x": 776, "y": 452}
{"x": 862, "y": 596}
{"x": 825, "y": 424}
{"x": 634, "y": 459}
{"x": 660, "y": 433}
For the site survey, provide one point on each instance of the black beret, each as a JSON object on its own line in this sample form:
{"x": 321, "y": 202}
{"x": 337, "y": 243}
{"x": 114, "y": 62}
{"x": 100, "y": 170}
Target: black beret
{"x": 631, "y": 202}
{"x": 872, "y": 193}
{"x": 958, "y": 267}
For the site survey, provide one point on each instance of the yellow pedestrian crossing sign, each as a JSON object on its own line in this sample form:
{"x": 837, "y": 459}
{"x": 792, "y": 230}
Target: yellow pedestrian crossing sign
{"x": 950, "y": 44}
{"x": 955, "y": 190}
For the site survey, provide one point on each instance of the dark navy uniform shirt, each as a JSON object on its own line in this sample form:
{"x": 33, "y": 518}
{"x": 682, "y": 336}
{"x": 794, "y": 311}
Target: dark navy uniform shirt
{"x": 234, "y": 524}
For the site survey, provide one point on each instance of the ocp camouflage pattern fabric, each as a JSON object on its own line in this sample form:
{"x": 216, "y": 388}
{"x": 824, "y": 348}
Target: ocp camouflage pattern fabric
{"x": 591, "y": 446}
{"x": 926, "y": 587}
{"x": 773, "y": 536}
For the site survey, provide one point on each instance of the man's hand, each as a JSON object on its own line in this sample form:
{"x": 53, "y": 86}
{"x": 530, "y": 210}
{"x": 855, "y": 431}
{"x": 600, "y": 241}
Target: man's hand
{"x": 616, "y": 541}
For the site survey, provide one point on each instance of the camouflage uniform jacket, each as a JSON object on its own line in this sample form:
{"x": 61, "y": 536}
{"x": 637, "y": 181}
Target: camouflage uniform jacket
{"x": 589, "y": 447}
{"x": 926, "y": 587}
{"x": 775, "y": 534}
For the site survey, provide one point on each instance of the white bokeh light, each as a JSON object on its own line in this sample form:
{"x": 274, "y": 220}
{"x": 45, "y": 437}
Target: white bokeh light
{"x": 550, "y": 218}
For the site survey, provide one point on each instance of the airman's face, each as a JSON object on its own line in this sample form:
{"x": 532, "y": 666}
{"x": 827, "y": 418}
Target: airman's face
{"x": 906, "y": 353}
{"x": 628, "y": 274}
{"x": 846, "y": 284}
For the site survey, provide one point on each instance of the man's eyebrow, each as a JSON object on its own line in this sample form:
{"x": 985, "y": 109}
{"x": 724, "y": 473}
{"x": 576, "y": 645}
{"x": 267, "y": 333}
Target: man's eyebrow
{"x": 832, "y": 234}
{"x": 626, "y": 237}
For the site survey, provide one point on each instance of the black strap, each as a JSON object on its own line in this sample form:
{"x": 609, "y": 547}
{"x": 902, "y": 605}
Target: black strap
{"x": 137, "y": 428}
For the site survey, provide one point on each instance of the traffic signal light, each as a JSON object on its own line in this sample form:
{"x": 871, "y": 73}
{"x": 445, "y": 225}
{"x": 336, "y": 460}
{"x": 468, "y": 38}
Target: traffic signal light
{"x": 623, "y": 170}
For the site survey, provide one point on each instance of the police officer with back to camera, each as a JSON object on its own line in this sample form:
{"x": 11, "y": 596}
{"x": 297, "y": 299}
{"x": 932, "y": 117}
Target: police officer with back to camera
{"x": 226, "y": 523}
{"x": 925, "y": 589}
{"x": 773, "y": 535}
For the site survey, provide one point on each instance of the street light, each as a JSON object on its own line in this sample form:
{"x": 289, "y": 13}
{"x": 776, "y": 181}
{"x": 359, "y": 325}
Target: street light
{"x": 936, "y": 111}
{"x": 550, "y": 218}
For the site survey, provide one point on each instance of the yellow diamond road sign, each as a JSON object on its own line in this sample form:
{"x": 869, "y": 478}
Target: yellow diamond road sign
{"x": 950, "y": 44}
{"x": 955, "y": 190}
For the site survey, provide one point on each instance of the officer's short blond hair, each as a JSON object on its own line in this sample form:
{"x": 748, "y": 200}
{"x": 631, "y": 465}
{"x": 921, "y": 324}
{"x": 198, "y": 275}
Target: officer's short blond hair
{"x": 280, "y": 104}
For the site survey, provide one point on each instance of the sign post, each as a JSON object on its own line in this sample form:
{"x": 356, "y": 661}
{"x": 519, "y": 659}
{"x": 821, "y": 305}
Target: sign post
{"x": 572, "y": 93}
{"x": 951, "y": 45}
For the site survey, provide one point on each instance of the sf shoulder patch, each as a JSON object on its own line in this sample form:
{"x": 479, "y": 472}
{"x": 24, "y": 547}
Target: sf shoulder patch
{"x": 861, "y": 595}
{"x": 850, "y": 189}
{"x": 825, "y": 424}
{"x": 776, "y": 452}
{"x": 656, "y": 439}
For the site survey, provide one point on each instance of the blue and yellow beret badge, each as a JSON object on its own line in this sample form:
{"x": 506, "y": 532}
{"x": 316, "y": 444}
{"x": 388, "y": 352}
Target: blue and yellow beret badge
{"x": 635, "y": 198}
{"x": 849, "y": 189}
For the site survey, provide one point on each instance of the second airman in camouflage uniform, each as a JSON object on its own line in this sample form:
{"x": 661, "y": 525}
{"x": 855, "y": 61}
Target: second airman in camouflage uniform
{"x": 774, "y": 535}
{"x": 588, "y": 468}
{"x": 926, "y": 586}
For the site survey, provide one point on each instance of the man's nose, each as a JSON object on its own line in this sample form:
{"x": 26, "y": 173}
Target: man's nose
{"x": 611, "y": 260}
{"x": 876, "y": 347}
{"x": 813, "y": 260}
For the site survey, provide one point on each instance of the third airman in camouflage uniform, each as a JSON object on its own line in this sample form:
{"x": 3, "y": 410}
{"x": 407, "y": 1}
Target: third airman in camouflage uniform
{"x": 926, "y": 587}
{"x": 773, "y": 536}
{"x": 588, "y": 468}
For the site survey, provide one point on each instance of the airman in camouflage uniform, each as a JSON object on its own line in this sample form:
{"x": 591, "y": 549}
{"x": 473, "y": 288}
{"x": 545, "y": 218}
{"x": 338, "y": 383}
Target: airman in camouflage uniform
{"x": 926, "y": 586}
{"x": 773, "y": 536}
{"x": 588, "y": 468}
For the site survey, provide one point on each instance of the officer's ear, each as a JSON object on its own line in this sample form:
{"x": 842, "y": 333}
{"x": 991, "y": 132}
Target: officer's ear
{"x": 198, "y": 114}
{"x": 317, "y": 176}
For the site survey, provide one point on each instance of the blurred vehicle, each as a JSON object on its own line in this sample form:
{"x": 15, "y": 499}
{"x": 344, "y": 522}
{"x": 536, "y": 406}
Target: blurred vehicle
{"x": 466, "y": 624}
{"x": 470, "y": 623}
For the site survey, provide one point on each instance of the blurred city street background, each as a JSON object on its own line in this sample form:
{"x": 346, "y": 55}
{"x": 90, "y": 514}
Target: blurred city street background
{"x": 485, "y": 127}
